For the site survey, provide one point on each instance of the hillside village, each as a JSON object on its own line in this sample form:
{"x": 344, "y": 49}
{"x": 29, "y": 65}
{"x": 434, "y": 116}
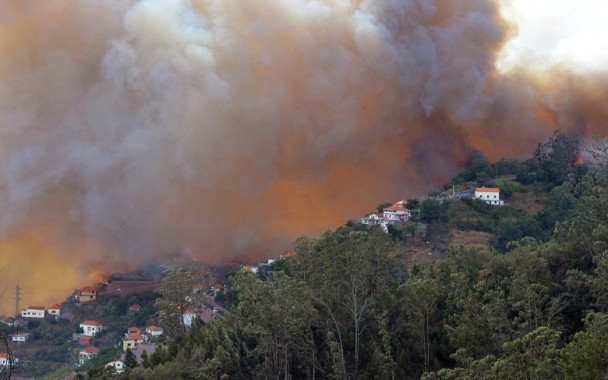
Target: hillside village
{"x": 128, "y": 329}
{"x": 139, "y": 332}
{"x": 142, "y": 320}
{"x": 92, "y": 336}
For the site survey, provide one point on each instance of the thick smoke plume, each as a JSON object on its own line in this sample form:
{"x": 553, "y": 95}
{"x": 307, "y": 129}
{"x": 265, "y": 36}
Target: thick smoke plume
{"x": 225, "y": 128}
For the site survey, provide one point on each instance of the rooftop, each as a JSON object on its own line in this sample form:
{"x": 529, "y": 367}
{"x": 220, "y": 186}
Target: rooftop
{"x": 91, "y": 323}
{"x": 487, "y": 189}
{"x": 90, "y": 350}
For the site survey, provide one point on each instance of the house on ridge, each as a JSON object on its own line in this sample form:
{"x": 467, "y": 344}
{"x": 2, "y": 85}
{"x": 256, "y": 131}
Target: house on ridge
{"x": 54, "y": 310}
{"x": 33, "y": 312}
{"x": 86, "y": 294}
{"x": 396, "y": 212}
{"x": 154, "y": 330}
{"x": 490, "y": 195}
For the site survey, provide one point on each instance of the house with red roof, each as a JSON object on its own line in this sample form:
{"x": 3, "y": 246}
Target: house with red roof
{"x": 54, "y": 310}
{"x": 33, "y": 312}
{"x": 87, "y": 353}
{"x": 4, "y": 359}
{"x": 396, "y": 212}
{"x": 154, "y": 331}
{"x": 86, "y": 294}
{"x": 90, "y": 327}
{"x": 133, "y": 330}
{"x": 133, "y": 340}
{"x": 490, "y": 195}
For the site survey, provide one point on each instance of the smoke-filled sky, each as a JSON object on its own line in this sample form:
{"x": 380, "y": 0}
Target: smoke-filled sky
{"x": 130, "y": 129}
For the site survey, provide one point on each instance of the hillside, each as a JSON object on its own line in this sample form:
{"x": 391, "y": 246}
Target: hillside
{"x": 462, "y": 290}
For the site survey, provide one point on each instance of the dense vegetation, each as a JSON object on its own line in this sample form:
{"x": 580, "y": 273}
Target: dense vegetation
{"x": 535, "y": 306}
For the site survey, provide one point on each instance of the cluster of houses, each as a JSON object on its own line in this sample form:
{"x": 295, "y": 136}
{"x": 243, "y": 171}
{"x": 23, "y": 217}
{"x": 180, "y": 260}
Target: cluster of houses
{"x": 41, "y": 311}
{"x": 397, "y": 212}
{"x": 135, "y": 339}
{"x": 390, "y": 215}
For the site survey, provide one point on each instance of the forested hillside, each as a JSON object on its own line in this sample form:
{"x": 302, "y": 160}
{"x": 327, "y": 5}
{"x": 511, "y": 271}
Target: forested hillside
{"x": 534, "y": 305}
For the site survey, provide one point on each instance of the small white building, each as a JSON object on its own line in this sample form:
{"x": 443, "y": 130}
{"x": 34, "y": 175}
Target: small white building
{"x": 20, "y": 337}
{"x": 33, "y": 312}
{"x": 377, "y": 219}
{"x": 154, "y": 330}
{"x": 91, "y": 328}
{"x": 490, "y": 195}
{"x": 188, "y": 317}
{"x": 54, "y": 310}
{"x": 87, "y": 353}
{"x": 117, "y": 365}
{"x": 4, "y": 360}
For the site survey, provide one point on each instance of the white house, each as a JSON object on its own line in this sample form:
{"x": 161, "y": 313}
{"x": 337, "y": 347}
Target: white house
{"x": 20, "y": 337}
{"x": 377, "y": 219}
{"x": 188, "y": 317}
{"x": 490, "y": 195}
{"x": 33, "y": 312}
{"x": 4, "y": 360}
{"x": 91, "y": 328}
{"x": 87, "y": 353}
{"x": 396, "y": 212}
{"x": 117, "y": 365}
{"x": 154, "y": 330}
{"x": 54, "y": 310}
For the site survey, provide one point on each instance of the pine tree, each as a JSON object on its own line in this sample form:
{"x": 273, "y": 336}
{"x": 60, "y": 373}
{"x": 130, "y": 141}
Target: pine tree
{"x": 130, "y": 360}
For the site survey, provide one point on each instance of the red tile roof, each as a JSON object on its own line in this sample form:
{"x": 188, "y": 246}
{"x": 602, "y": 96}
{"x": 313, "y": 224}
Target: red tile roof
{"x": 3, "y": 355}
{"x": 90, "y": 350}
{"x": 89, "y": 289}
{"x": 135, "y": 336}
{"x": 287, "y": 255}
{"x": 487, "y": 189}
{"x": 395, "y": 207}
{"x": 91, "y": 323}
{"x": 154, "y": 328}
{"x": 55, "y": 306}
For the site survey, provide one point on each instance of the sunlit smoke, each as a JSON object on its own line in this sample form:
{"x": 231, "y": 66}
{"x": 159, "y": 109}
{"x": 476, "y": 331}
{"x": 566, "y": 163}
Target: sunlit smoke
{"x": 133, "y": 129}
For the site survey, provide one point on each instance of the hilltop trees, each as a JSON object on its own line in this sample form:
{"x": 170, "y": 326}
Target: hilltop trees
{"x": 532, "y": 307}
{"x": 178, "y": 296}
{"x": 557, "y": 156}
{"x": 349, "y": 273}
